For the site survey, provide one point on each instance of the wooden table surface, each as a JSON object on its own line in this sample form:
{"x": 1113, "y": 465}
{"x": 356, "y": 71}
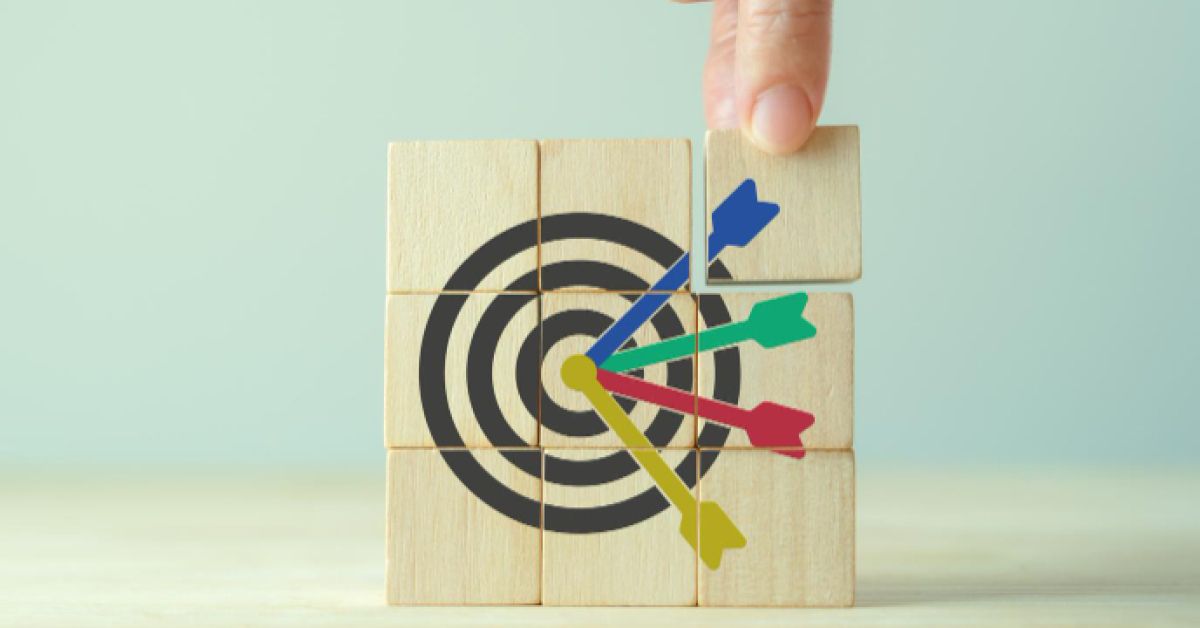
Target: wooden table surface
{"x": 1092, "y": 547}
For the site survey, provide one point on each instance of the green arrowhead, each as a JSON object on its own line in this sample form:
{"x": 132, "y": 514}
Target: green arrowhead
{"x": 780, "y": 321}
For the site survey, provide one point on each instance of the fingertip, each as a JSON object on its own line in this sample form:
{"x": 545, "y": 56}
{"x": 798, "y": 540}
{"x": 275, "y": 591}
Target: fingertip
{"x": 782, "y": 119}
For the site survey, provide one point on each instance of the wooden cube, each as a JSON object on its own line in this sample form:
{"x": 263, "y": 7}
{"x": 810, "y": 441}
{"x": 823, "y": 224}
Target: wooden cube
{"x": 798, "y": 520}
{"x": 817, "y": 234}
{"x": 465, "y": 365}
{"x": 570, "y": 323}
{"x": 447, "y": 199}
{"x": 646, "y": 562}
{"x": 641, "y": 190}
{"x": 815, "y": 375}
{"x": 445, "y": 545}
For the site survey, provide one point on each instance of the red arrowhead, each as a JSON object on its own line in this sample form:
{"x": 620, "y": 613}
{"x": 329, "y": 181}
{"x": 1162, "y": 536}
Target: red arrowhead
{"x": 774, "y": 425}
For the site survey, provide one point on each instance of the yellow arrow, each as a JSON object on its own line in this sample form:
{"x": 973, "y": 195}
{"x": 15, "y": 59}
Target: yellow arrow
{"x": 715, "y": 531}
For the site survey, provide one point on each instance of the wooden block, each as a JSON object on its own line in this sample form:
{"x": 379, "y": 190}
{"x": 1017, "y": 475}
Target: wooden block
{"x": 798, "y": 520}
{"x": 815, "y": 375}
{"x": 646, "y": 182}
{"x": 447, "y": 546}
{"x": 645, "y": 563}
{"x": 484, "y": 348}
{"x": 571, "y": 321}
{"x": 817, "y": 234}
{"x": 446, "y": 199}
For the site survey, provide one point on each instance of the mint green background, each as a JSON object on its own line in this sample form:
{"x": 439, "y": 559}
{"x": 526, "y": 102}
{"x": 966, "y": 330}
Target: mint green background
{"x": 192, "y": 212}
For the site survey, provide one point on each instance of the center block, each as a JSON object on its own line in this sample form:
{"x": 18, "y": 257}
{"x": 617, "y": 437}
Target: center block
{"x": 570, "y": 324}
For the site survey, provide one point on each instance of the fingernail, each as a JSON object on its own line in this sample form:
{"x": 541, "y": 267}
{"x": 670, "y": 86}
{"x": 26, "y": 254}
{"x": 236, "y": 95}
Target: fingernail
{"x": 782, "y": 119}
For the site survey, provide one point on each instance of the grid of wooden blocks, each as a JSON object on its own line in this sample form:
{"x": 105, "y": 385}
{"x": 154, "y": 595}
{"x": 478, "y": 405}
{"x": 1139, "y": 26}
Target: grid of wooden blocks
{"x": 568, "y": 424}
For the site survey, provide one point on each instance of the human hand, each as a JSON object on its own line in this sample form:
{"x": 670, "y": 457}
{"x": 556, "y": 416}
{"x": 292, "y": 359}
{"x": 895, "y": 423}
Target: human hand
{"x": 768, "y": 62}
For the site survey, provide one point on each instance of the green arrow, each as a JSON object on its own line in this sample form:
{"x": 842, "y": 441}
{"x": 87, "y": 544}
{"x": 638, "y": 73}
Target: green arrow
{"x": 771, "y": 323}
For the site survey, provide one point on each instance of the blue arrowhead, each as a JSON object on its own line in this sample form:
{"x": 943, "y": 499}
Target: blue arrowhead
{"x": 739, "y": 218}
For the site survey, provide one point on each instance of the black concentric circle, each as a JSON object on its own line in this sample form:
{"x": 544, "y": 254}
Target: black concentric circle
{"x": 556, "y": 328}
{"x": 480, "y": 359}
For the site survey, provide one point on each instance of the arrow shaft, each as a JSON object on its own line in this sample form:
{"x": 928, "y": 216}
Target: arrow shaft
{"x": 674, "y": 399}
{"x": 703, "y": 524}
{"x": 724, "y": 335}
{"x": 642, "y": 449}
{"x": 664, "y": 351}
{"x": 679, "y": 347}
{"x": 645, "y": 307}
{"x": 715, "y": 245}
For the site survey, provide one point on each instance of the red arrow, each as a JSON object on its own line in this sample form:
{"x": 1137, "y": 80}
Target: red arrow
{"x": 767, "y": 425}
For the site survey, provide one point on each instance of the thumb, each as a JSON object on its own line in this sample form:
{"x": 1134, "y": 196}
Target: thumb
{"x": 782, "y": 65}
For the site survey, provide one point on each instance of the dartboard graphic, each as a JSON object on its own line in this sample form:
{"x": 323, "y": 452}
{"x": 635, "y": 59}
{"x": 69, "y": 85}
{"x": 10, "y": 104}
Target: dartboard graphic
{"x": 608, "y": 382}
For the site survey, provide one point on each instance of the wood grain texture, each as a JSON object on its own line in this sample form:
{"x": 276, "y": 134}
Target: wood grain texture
{"x": 798, "y": 519}
{"x": 644, "y": 181}
{"x": 445, "y": 545}
{"x": 647, "y": 563}
{"x": 817, "y": 235}
{"x": 405, "y": 422}
{"x": 815, "y": 375}
{"x": 447, "y": 198}
{"x": 559, "y": 309}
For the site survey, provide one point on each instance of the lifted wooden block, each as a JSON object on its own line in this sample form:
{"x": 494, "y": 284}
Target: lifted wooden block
{"x": 446, "y": 199}
{"x": 481, "y": 378}
{"x": 445, "y": 545}
{"x": 815, "y": 375}
{"x": 798, "y": 520}
{"x": 647, "y": 182}
{"x": 570, "y": 323}
{"x": 644, "y": 561}
{"x": 817, "y": 234}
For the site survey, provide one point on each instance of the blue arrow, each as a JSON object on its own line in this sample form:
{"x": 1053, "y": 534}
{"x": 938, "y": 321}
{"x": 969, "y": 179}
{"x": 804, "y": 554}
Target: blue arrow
{"x": 736, "y": 221}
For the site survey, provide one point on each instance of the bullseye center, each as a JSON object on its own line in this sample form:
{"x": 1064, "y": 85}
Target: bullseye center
{"x": 559, "y": 396}
{"x": 579, "y": 372}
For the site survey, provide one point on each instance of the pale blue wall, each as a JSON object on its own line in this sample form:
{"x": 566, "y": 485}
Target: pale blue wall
{"x": 192, "y": 212}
